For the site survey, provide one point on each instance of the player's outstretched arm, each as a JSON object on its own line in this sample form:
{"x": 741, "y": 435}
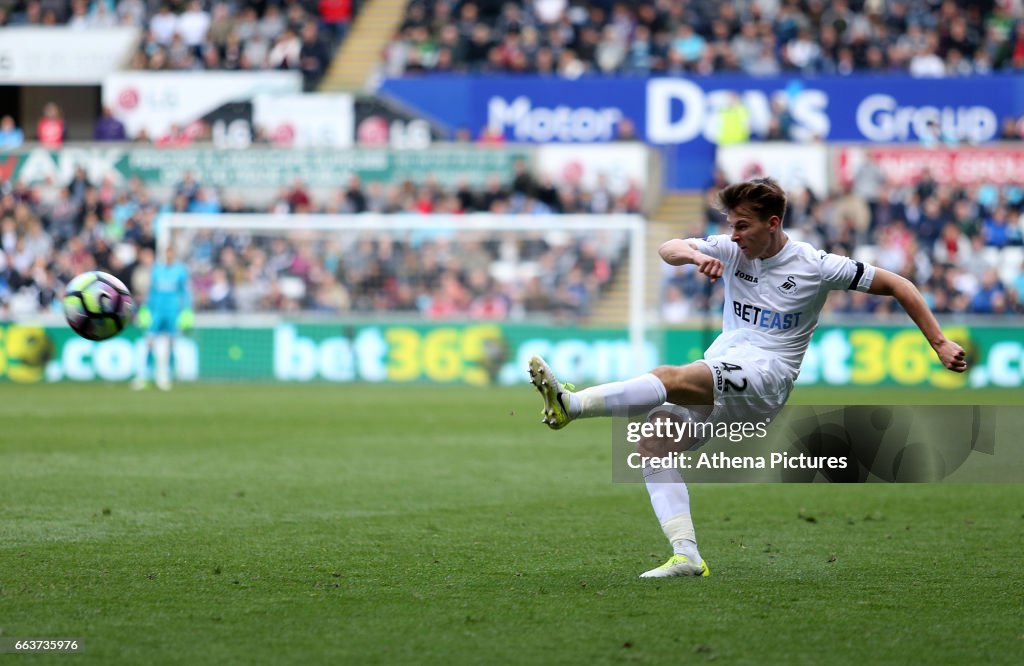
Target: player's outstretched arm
{"x": 679, "y": 252}
{"x": 903, "y": 290}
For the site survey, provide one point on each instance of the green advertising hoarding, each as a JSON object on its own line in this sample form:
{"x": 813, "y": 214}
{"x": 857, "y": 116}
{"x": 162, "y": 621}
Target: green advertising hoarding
{"x": 489, "y": 353}
{"x": 475, "y": 353}
{"x": 890, "y": 356}
{"x": 258, "y": 168}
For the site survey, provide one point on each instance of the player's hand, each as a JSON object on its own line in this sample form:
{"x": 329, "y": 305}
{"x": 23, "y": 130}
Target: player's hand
{"x": 708, "y": 266}
{"x": 952, "y": 355}
{"x": 143, "y": 318}
{"x": 186, "y": 320}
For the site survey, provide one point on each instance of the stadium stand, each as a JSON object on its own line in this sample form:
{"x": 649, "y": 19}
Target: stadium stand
{"x": 963, "y": 246}
{"x": 571, "y": 38}
{"x": 195, "y": 35}
{"x": 49, "y": 234}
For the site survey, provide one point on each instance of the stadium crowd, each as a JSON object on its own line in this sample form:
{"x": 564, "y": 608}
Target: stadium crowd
{"x": 48, "y": 234}
{"x": 963, "y": 247}
{"x": 570, "y": 38}
{"x": 186, "y": 35}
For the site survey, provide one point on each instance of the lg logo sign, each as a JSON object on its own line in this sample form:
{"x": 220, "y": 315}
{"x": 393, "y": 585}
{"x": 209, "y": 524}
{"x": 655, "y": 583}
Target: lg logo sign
{"x": 131, "y": 98}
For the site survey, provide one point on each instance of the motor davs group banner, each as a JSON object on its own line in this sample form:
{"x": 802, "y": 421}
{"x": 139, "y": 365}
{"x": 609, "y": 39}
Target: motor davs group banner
{"x": 488, "y": 354}
{"x": 666, "y": 110}
{"x": 683, "y": 112}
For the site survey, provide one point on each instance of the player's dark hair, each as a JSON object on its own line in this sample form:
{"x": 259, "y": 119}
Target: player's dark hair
{"x": 763, "y": 197}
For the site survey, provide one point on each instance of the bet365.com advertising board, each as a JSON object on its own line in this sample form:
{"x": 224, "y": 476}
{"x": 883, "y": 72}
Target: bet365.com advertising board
{"x": 484, "y": 354}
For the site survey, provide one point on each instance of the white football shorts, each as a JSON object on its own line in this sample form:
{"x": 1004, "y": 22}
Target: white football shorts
{"x": 750, "y": 384}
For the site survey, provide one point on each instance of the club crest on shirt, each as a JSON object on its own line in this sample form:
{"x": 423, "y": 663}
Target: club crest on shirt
{"x": 788, "y": 286}
{"x": 711, "y": 241}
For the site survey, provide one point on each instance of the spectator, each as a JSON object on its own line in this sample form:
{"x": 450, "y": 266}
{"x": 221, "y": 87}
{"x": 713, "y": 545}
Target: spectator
{"x": 132, "y": 12}
{"x": 163, "y": 25}
{"x": 998, "y": 230}
{"x": 733, "y": 122}
{"x": 688, "y": 46}
{"x": 706, "y": 37}
{"x": 11, "y": 135}
{"x": 175, "y": 137}
{"x": 101, "y": 14}
{"x": 222, "y": 24}
{"x": 335, "y": 17}
{"x": 272, "y": 24}
{"x": 286, "y": 52}
{"x": 79, "y": 19}
{"x": 50, "y": 129}
{"x": 926, "y": 63}
{"x": 675, "y": 308}
{"x": 990, "y": 298}
{"x": 313, "y": 56}
{"x": 193, "y": 25}
{"x": 108, "y": 128}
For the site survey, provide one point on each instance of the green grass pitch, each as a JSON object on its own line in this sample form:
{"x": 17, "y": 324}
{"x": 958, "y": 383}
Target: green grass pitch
{"x": 324, "y": 524}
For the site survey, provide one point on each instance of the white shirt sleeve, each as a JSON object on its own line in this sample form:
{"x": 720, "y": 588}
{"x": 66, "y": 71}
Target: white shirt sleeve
{"x": 845, "y": 273}
{"x": 719, "y": 246}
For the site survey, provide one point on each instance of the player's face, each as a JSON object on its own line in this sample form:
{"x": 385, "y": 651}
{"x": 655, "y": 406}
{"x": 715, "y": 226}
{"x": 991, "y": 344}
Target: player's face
{"x": 751, "y": 233}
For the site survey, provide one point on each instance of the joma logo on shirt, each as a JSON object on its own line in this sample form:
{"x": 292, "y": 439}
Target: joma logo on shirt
{"x": 745, "y": 276}
{"x": 767, "y": 319}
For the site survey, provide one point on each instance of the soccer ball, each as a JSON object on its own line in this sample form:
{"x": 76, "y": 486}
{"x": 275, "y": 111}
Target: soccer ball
{"x": 97, "y": 305}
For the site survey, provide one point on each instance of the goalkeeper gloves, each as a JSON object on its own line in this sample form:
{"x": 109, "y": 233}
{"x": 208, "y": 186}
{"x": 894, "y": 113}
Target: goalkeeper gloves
{"x": 143, "y": 318}
{"x": 186, "y": 320}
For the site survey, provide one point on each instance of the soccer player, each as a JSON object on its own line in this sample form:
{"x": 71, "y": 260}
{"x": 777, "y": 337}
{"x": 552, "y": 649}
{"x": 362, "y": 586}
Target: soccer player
{"x": 167, "y": 311}
{"x": 774, "y": 290}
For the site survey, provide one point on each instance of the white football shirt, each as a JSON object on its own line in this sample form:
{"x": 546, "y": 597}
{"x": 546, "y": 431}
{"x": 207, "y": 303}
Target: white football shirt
{"x": 774, "y": 303}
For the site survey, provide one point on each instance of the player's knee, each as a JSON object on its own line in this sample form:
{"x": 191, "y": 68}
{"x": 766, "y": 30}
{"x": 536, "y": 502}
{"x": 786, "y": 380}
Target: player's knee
{"x": 689, "y": 384}
{"x": 667, "y": 433}
{"x": 670, "y": 375}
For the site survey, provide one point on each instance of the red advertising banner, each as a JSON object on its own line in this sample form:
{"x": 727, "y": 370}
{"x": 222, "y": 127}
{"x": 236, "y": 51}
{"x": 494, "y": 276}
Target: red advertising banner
{"x": 956, "y": 166}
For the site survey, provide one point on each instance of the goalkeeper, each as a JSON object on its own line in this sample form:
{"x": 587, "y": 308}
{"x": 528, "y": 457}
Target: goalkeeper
{"x": 166, "y": 311}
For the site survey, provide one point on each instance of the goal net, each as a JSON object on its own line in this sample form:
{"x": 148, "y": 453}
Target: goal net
{"x": 438, "y": 298}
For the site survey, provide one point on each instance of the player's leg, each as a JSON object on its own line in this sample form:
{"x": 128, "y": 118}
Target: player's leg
{"x": 686, "y": 385}
{"x": 162, "y": 358}
{"x": 144, "y": 363}
{"x": 690, "y": 385}
{"x": 747, "y": 387}
{"x": 152, "y": 324}
{"x": 670, "y": 498}
{"x": 163, "y": 327}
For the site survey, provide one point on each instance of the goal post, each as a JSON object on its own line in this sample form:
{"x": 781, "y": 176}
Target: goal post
{"x": 337, "y": 233}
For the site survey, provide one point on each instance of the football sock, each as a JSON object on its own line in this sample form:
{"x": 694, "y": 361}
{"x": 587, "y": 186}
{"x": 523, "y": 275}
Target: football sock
{"x": 145, "y": 364}
{"x": 616, "y": 397}
{"x": 162, "y": 356}
{"x": 671, "y": 501}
